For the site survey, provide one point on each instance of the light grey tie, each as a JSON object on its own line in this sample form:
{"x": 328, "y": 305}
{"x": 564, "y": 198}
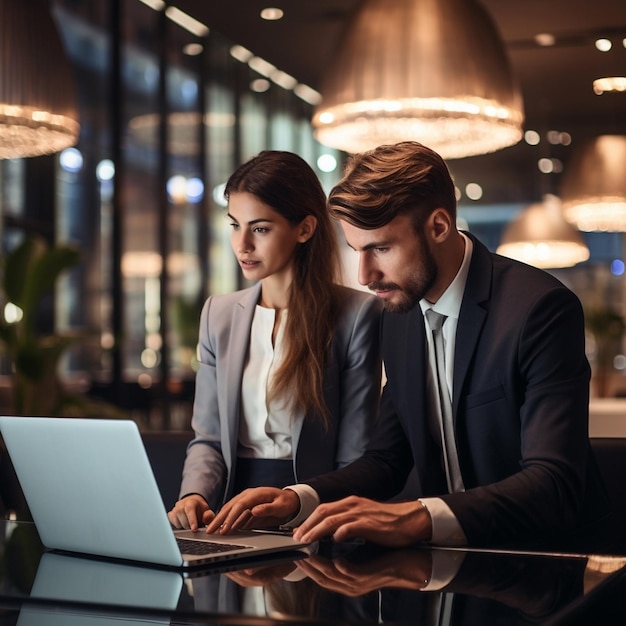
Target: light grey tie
{"x": 450, "y": 456}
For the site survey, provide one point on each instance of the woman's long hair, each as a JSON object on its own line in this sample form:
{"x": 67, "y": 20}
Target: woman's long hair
{"x": 285, "y": 182}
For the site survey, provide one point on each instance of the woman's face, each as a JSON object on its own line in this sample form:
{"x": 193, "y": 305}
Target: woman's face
{"x": 263, "y": 241}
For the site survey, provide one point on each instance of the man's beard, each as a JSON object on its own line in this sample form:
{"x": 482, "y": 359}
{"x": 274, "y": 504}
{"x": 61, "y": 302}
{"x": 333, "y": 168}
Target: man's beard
{"x": 417, "y": 285}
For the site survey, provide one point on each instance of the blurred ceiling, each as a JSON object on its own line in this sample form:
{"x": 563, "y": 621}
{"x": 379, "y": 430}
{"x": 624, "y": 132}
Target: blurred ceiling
{"x": 556, "y": 80}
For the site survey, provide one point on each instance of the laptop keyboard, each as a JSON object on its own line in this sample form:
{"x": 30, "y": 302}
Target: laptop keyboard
{"x": 191, "y": 546}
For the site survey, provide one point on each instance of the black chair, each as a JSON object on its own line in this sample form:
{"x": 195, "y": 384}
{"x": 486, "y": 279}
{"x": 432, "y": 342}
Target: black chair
{"x": 11, "y": 497}
{"x": 166, "y": 452}
{"x": 610, "y": 453}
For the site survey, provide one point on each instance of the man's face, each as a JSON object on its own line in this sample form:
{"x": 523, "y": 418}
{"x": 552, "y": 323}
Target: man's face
{"x": 395, "y": 262}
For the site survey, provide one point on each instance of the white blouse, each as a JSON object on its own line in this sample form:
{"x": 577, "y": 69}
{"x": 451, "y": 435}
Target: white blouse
{"x": 264, "y": 429}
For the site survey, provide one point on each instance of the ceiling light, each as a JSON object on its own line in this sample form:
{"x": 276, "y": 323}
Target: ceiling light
{"x": 38, "y": 112}
{"x": 566, "y": 139}
{"x": 272, "y": 14}
{"x": 593, "y": 187}
{"x": 241, "y": 54}
{"x": 71, "y": 160}
{"x": 473, "y": 191}
{"x": 541, "y": 236}
{"x": 327, "y": 163}
{"x": 434, "y": 71}
{"x": 554, "y": 137}
{"x": 308, "y": 94}
{"x": 545, "y": 165}
{"x": 157, "y": 5}
{"x": 532, "y": 137}
{"x": 260, "y": 85}
{"x": 284, "y": 80}
{"x": 609, "y": 83}
{"x": 105, "y": 170}
{"x": 550, "y": 166}
{"x": 261, "y": 66}
{"x": 545, "y": 39}
{"x": 603, "y": 45}
{"x": 187, "y": 22}
{"x": 193, "y": 49}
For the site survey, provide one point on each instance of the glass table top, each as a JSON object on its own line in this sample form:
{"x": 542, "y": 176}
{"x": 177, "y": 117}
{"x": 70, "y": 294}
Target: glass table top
{"x": 331, "y": 583}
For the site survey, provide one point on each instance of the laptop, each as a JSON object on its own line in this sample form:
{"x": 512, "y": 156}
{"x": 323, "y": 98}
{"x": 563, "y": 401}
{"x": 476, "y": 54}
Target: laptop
{"x": 90, "y": 489}
{"x": 65, "y": 580}
{"x": 82, "y": 590}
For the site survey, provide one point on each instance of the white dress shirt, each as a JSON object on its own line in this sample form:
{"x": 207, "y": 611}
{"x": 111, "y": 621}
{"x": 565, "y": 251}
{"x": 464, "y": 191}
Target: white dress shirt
{"x": 446, "y": 529}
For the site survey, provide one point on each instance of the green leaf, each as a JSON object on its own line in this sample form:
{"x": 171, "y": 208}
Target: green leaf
{"x": 31, "y": 271}
{"x": 17, "y": 268}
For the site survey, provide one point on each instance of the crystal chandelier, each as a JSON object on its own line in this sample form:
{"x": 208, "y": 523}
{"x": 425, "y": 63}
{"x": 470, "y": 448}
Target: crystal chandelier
{"x": 541, "y": 236}
{"x": 37, "y": 103}
{"x": 434, "y": 71}
{"x": 594, "y": 185}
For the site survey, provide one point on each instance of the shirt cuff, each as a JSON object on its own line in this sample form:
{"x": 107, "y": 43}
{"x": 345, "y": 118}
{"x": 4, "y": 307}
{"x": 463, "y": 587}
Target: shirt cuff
{"x": 309, "y": 500}
{"x": 446, "y": 528}
{"x": 445, "y": 567}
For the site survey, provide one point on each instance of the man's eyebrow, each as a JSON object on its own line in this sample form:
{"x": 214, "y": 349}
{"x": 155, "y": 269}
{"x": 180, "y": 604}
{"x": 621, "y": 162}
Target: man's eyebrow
{"x": 371, "y": 246}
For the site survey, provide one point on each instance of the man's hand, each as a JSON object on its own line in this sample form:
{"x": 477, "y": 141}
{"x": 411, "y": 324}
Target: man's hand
{"x": 261, "y": 576}
{"x": 261, "y": 507}
{"x": 406, "y": 569}
{"x": 190, "y": 512}
{"x": 387, "y": 524}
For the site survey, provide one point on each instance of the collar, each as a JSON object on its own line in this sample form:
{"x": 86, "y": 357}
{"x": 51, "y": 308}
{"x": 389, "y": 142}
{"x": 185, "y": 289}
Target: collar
{"x": 449, "y": 304}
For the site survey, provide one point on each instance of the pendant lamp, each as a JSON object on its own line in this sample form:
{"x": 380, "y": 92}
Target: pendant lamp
{"x": 593, "y": 187}
{"x": 541, "y": 236}
{"x": 434, "y": 71}
{"x": 37, "y": 99}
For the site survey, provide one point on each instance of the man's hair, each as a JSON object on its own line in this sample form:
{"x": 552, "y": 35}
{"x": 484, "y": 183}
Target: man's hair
{"x": 406, "y": 178}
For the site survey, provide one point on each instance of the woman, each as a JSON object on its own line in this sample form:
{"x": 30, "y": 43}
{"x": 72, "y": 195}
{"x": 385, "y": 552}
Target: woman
{"x": 289, "y": 376}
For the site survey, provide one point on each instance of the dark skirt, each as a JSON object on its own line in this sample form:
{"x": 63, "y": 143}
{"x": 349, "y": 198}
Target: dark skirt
{"x": 263, "y": 473}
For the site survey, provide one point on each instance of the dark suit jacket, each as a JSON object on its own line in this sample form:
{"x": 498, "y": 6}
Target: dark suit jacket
{"x": 494, "y": 589}
{"x": 521, "y": 395}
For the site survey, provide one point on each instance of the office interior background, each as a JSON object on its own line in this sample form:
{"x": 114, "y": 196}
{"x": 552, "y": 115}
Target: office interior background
{"x": 168, "y": 106}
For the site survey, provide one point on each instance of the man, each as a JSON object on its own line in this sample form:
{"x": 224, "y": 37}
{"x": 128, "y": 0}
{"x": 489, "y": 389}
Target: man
{"x": 510, "y": 460}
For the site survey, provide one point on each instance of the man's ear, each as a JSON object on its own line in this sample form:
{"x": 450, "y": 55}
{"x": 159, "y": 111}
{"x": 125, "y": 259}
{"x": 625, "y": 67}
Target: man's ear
{"x": 307, "y": 227}
{"x": 440, "y": 222}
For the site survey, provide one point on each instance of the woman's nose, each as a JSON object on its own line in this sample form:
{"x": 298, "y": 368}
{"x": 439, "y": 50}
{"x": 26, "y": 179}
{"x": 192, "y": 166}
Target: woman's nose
{"x": 242, "y": 242}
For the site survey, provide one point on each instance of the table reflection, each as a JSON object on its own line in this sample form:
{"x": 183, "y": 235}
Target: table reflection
{"x": 350, "y": 584}
{"x": 421, "y": 586}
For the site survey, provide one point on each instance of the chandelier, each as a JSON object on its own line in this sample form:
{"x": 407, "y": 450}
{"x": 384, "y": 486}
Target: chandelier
{"x": 434, "y": 71}
{"x": 37, "y": 104}
{"x": 594, "y": 185}
{"x": 541, "y": 236}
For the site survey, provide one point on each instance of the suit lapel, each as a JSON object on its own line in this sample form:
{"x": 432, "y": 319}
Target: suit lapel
{"x": 239, "y": 341}
{"x": 472, "y": 316}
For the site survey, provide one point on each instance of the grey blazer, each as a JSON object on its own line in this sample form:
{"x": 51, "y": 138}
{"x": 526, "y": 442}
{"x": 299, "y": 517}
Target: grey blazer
{"x": 351, "y": 391}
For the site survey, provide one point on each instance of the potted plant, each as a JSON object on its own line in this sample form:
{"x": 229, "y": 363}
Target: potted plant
{"x": 29, "y": 274}
{"x": 607, "y": 327}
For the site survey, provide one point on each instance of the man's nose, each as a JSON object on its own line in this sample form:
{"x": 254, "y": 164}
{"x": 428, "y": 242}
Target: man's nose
{"x": 367, "y": 272}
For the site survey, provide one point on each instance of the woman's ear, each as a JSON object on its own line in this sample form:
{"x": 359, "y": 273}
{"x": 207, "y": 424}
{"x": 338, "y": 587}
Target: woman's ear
{"x": 307, "y": 227}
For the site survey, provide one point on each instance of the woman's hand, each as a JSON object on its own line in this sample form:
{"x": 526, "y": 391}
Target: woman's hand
{"x": 190, "y": 512}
